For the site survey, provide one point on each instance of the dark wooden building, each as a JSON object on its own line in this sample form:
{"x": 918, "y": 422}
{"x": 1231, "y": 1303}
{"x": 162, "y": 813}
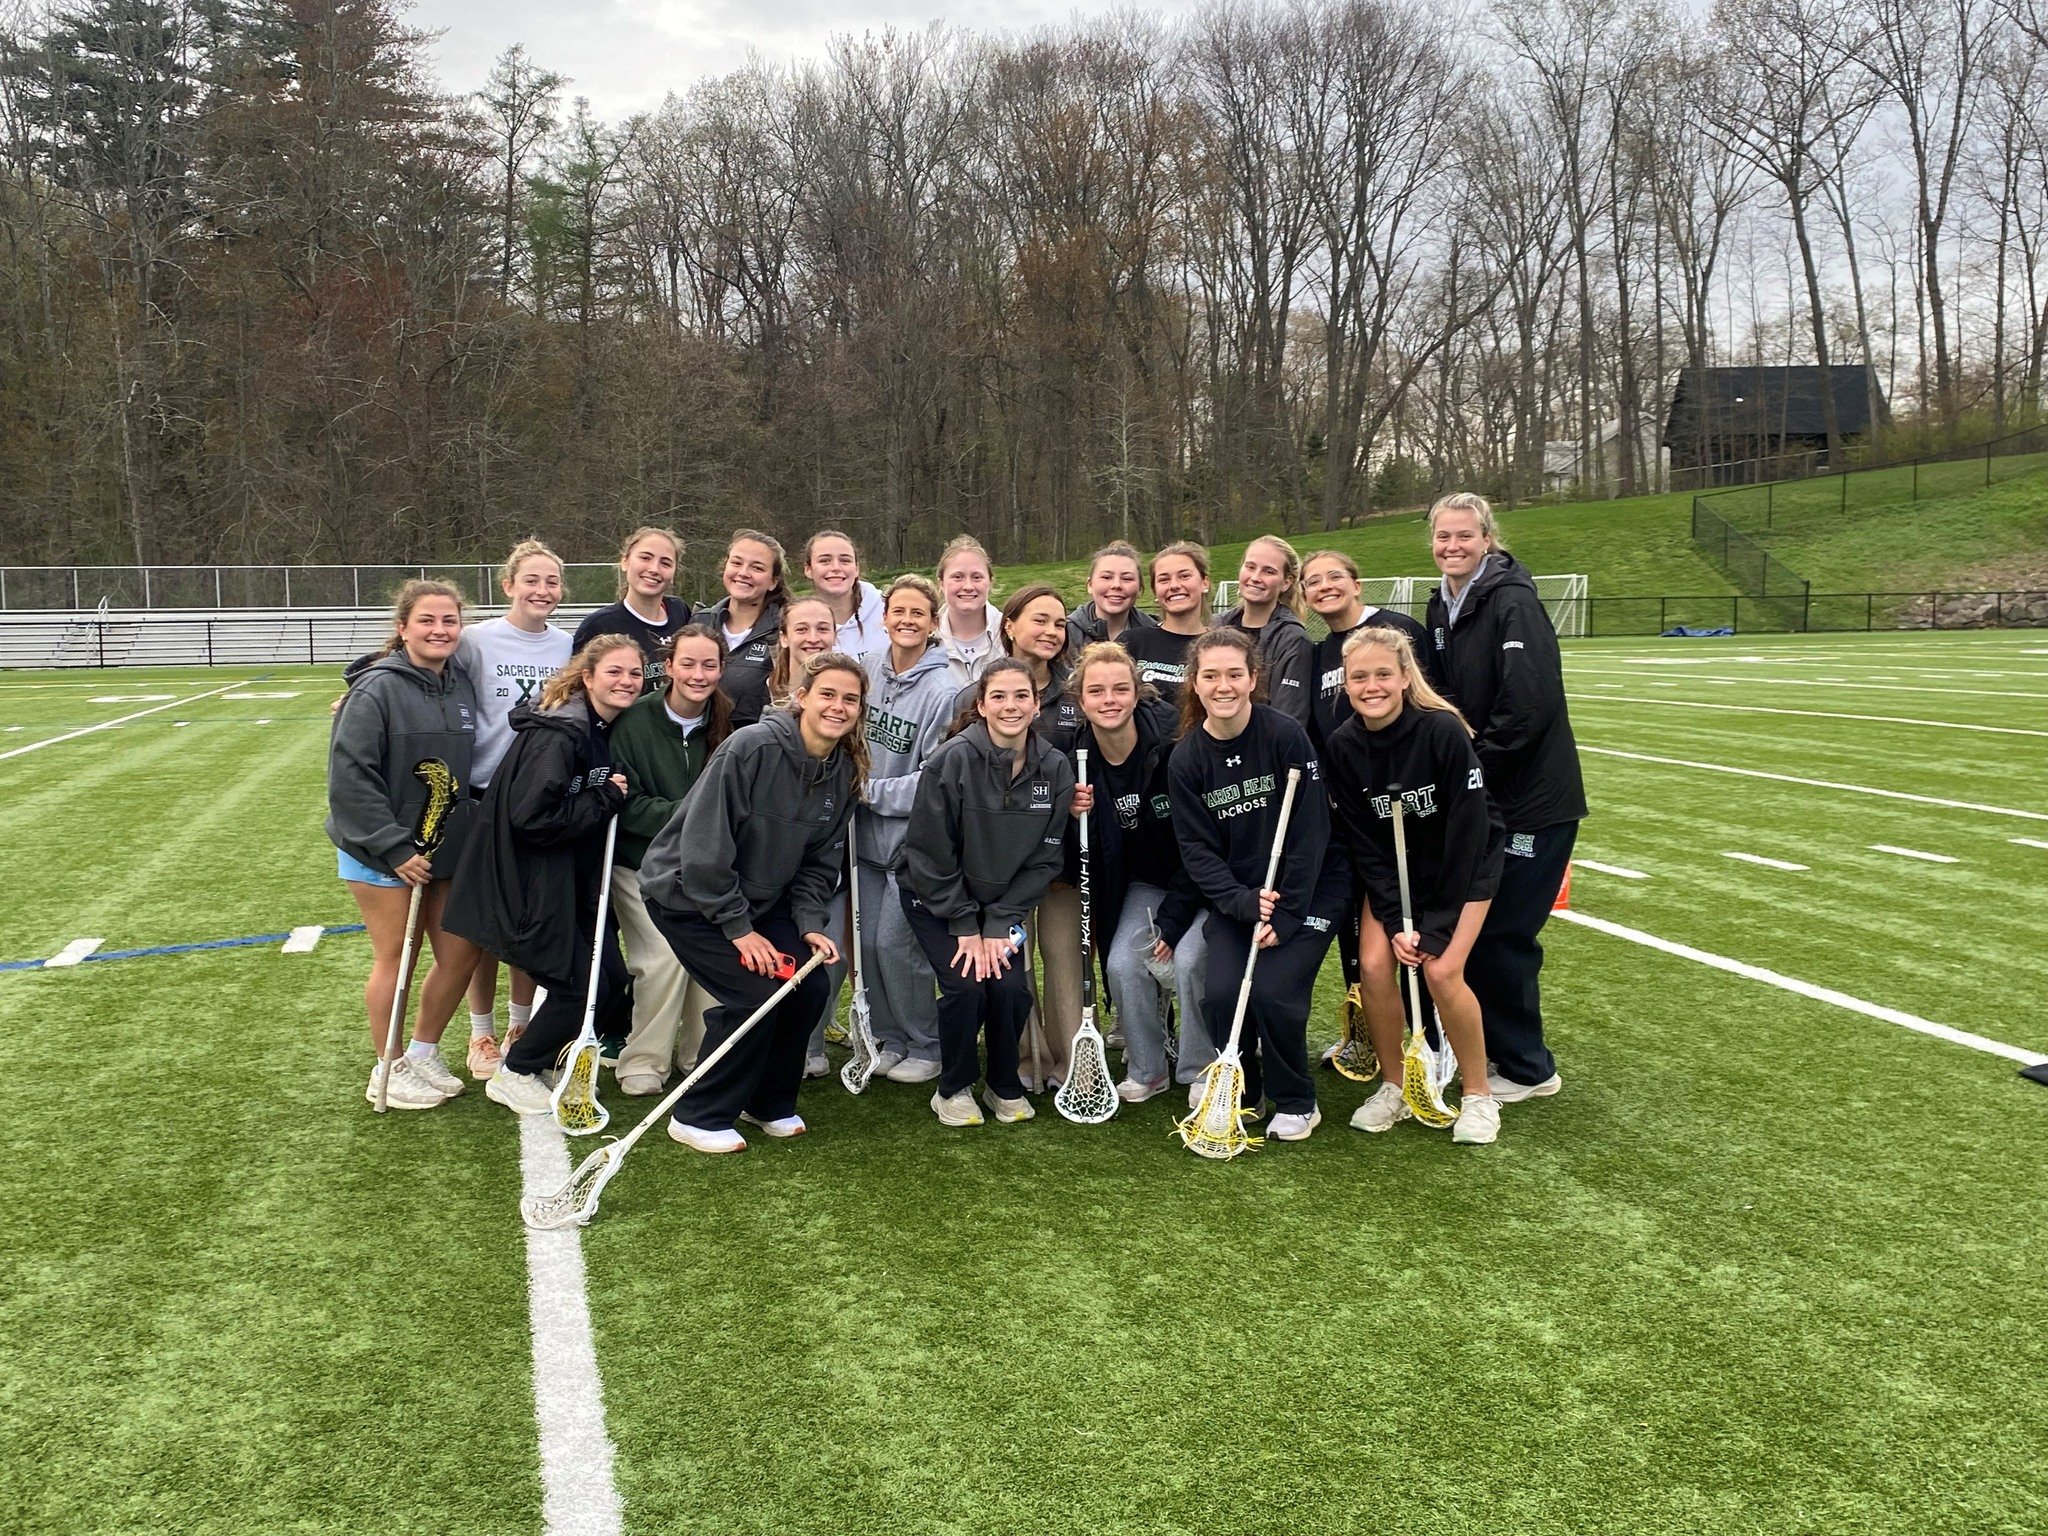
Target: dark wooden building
{"x": 1730, "y": 426}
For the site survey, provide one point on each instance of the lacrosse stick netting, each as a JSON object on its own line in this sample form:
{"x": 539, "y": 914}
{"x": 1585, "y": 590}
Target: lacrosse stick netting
{"x": 1088, "y": 1096}
{"x": 1421, "y": 1072}
{"x": 860, "y": 1030}
{"x": 576, "y": 1106}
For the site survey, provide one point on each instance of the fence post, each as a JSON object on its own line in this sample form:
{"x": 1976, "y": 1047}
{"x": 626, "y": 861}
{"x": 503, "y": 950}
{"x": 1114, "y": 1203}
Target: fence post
{"x": 216, "y": 602}
{"x": 1998, "y": 610}
{"x": 75, "y": 603}
{"x": 100, "y": 635}
{"x": 1916, "y": 479}
{"x": 1934, "y": 610}
{"x": 1845, "y": 493}
{"x": 1868, "y": 599}
{"x": 1987, "y": 463}
{"x": 1806, "y": 609}
{"x": 1661, "y": 625}
{"x": 309, "y": 642}
{"x": 287, "y": 586}
{"x": 1735, "y": 615}
{"x": 355, "y": 577}
{"x": 209, "y": 642}
{"x": 1770, "y": 501}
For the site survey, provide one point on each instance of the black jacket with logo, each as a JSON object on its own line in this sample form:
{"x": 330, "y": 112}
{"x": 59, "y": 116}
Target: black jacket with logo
{"x": 1085, "y": 626}
{"x": 1109, "y": 871}
{"x": 1501, "y": 666}
{"x": 749, "y": 663}
{"x": 1287, "y": 659}
{"x": 1162, "y": 658}
{"x": 618, "y": 619}
{"x": 983, "y": 845}
{"x": 1454, "y": 834}
{"x": 1332, "y": 704}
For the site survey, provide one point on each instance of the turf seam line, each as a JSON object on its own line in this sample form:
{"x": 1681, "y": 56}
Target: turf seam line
{"x": 1807, "y": 989}
{"x": 52, "y": 741}
{"x": 1809, "y": 714}
{"x": 578, "y": 1494}
{"x": 1787, "y": 778}
{"x": 252, "y": 941}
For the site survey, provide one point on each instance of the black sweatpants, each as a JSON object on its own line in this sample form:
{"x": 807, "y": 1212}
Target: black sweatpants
{"x": 1274, "y": 1044}
{"x": 995, "y": 1009}
{"x": 761, "y": 1074}
{"x": 1506, "y": 958}
{"x": 559, "y": 1018}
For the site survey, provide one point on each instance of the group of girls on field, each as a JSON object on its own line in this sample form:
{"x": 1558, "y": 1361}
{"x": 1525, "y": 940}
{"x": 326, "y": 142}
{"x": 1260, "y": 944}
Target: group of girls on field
{"x": 751, "y": 758}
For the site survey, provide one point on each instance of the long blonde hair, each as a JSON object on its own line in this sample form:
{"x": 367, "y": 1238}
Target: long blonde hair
{"x": 574, "y": 678}
{"x": 1415, "y": 687}
{"x": 855, "y": 742}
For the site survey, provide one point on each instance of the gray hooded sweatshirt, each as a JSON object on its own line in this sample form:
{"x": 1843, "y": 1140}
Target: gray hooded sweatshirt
{"x": 908, "y": 713}
{"x": 764, "y": 818}
{"x": 395, "y": 715}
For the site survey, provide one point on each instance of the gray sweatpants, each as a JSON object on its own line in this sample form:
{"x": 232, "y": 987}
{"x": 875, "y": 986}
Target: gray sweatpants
{"x": 1141, "y": 1005}
{"x": 903, "y": 1006}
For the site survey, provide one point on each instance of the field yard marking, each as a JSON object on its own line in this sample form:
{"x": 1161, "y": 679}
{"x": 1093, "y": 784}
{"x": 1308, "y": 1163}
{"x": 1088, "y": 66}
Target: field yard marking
{"x": 251, "y": 941}
{"x": 51, "y": 741}
{"x": 247, "y": 695}
{"x": 128, "y": 698}
{"x": 1807, "y": 989}
{"x": 72, "y": 953}
{"x": 1757, "y": 858}
{"x": 1814, "y": 682}
{"x": 2030, "y": 842}
{"x": 301, "y": 940}
{"x": 578, "y": 1496}
{"x": 1610, "y": 869}
{"x": 1810, "y": 714}
{"x": 1912, "y": 853}
{"x": 1788, "y": 778}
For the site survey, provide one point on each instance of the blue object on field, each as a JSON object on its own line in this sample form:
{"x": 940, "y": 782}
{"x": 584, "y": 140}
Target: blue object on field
{"x": 253, "y": 941}
{"x": 1687, "y": 632}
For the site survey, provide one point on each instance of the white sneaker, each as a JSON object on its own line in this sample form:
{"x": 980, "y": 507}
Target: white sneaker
{"x": 1478, "y": 1121}
{"x": 816, "y": 1066}
{"x": 1131, "y": 1091}
{"x": 1030, "y": 1080}
{"x": 1008, "y": 1111}
{"x": 1329, "y": 1057}
{"x": 640, "y": 1085}
{"x": 408, "y": 1090}
{"x": 484, "y": 1056}
{"x": 960, "y": 1109}
{"x": 1383, "y": 1110}
{"x": 912, "y": 1069}
{"x": 699, "y": 1140}
{"x": 885, "y": 1060}
{"x": 520, "y": 1092}
{"x": 1500, "y": 1088}
{"x": 781, "y": 1129}
{"x": 436, "y": 1072}
{"x": 1294, "y": 1127}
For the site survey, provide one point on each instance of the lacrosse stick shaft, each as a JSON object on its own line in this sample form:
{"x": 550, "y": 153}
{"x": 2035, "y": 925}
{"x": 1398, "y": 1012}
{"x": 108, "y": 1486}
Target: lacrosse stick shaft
{"x": 400, "y": 987}
{"x": 1087, "y": 931}
{"x": 604, "y": 907}
{"x": 853, "y": 916}
{"x": 1407, "y": 911}
{"x": 1244, "y": 989}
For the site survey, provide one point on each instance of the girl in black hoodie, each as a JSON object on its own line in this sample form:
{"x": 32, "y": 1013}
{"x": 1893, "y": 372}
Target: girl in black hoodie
{"x": 1268, "y": 587}
{"x": 1404, "y": 734}
{"x": 1227, "y": 778}
{"x": 528, "y": 885}
{"x": 748, "y": 618}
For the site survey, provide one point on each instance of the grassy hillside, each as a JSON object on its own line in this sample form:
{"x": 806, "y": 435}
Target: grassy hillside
{"x": 1994, "y": 536}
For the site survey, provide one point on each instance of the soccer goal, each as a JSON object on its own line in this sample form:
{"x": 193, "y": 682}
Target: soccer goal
{"x": 1565, "y": 599}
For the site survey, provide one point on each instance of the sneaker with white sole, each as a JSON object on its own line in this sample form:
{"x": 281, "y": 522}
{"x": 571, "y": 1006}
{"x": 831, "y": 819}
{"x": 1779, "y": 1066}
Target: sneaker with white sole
{"x": 697, "y": 1139}
{"x": 817, "y": 1066}
{"x": 886, "y": 1061}
{"x": 1131, "y": 1091}
{"x": 520, "y": 1092}
{"x": 484, "y": 1056}
{"x": 958, "y": 1109}
{"x": 408, "y": 1089}
{"x": 436, "y": 1072}
{"x": 641, "y": 1085}
{"x": 782, "y": 1128}
{"x": 1478, "y": 1121}
{"x": 1506, "y": 1092}
{"x": 1008, "y": 1111}
{"x": 1386, "y": 1108}
{"x": 1294, "y": 1127}
{"x": 912, "y": 1069}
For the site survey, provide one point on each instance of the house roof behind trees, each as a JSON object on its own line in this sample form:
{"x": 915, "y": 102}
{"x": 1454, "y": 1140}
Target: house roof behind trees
{"x": 1769, "y": 402}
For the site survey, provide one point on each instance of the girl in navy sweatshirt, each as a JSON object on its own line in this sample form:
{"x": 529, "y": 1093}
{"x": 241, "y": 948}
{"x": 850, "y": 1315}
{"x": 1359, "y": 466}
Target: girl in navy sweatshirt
{"x": 1227, "y": 779}
{"x": 1405, "y": 734}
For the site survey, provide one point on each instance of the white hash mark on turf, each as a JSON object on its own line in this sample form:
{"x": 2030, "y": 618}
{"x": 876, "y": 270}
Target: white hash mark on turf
{"x": 1757, "y": 858}
{"x": 51, "y": 741}
{"x": 1610, "y": 869}
{"x": 1896, "y": 1016}
{"x": 1787, "y": 778}
{"x": 72, "y": 953}
{"x": 578, "y": 1496}
{"x": 301, "y": 940}
{"x": 1811, "y": 714}
{"x": 1912, "y": 853}
{"x": 2030, "y": 842}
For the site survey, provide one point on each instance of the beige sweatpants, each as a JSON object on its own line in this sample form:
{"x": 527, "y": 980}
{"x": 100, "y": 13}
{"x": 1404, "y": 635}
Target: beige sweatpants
{"x": 668, "y": 1007}
{"x": 1056, "y": 929}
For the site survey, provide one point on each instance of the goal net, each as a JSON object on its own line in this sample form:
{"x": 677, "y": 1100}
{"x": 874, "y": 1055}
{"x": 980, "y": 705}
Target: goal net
{"x": 1565, "y": 599}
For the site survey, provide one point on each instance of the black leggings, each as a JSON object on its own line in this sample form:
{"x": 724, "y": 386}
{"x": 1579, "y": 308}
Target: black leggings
{"x": 1274, "y": 1045}
{"x": 1506, "y": 958}
{"x": 559, "y": 1018}
{"x": 996, "y": 1008}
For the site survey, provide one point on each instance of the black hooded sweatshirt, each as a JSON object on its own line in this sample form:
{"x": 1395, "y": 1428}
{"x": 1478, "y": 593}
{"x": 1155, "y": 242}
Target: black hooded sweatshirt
{"x": 1501, "y": 666}
{"x": 748, "y": 665}
{"x": 984, "y": 839}
{"x": 1332, "y": 704}
{"x": 1454, "y": 834}
{"x": 529, "y": 878}
{"x": 1226, "y": 807}
{"x": 1162, "y": 658}
{"x": 618, "y": 619}
{"x": 1134, "y": 841}
{"x": 1059, "y": 716}
{"x": 1085, "y": 626}
{"x": 1287, "y": 659}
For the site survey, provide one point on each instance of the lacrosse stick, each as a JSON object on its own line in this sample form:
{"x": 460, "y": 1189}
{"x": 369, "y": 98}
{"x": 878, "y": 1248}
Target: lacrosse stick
{"x": 1088, "y": 1096}
{"x": 1215, "y": 1127}
{"x": 576, "y": 1201}
{"x": 1163, "y": 974}
{"x": 426, "y": 839}
{"x": 577, "y": 1110}
{"x": 860, "y": 1033}
{"x": 1422, "y": 1068}
{"x": 1354, "y": 1055}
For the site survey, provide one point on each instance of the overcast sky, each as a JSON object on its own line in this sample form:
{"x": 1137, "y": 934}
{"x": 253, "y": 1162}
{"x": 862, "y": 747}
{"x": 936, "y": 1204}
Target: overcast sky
{"x": 626, "y": 54}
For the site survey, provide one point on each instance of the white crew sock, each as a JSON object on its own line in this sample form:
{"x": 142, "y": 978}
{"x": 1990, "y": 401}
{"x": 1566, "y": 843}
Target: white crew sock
{"x": 482, "y": 1025}
{"x": 421, "y": 1050}
{"x": 522, "y": 1014}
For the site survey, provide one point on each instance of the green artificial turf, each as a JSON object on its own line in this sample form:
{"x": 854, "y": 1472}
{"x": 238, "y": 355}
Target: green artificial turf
{"x": 1765, "y": 1266}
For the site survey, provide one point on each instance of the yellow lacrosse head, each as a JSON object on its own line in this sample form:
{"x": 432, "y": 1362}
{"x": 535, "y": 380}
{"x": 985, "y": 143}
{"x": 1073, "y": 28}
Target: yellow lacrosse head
{"x": 442, "y": 789}
{"x": 1355, "y": 1057}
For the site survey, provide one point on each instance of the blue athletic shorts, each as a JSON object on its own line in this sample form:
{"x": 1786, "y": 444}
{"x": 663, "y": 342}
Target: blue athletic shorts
{"x": 353, "y": 868}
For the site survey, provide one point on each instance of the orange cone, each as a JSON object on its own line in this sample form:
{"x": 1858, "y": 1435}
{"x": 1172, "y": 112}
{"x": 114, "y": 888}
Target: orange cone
{"x": 1564, "y": 893}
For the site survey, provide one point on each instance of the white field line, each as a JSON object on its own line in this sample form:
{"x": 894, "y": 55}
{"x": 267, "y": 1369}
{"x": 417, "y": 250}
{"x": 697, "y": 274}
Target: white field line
{"x": 72, "y": 953}
{"x": 301, "y": 940}
{"x": 1610, "y": 869}
{"x": 2030, "y": 842}
{"x": 1757, "y": 858}
{"x": 1815, "y": 682}
{"x": 578, "y": 1496}
{"x": 1788, "y": 778}
{"x": 1912, "y": 853}
{"x": 1829, "y": 995}
{"x": 1811, "y": 714}
{"x": 51, "y": 741}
